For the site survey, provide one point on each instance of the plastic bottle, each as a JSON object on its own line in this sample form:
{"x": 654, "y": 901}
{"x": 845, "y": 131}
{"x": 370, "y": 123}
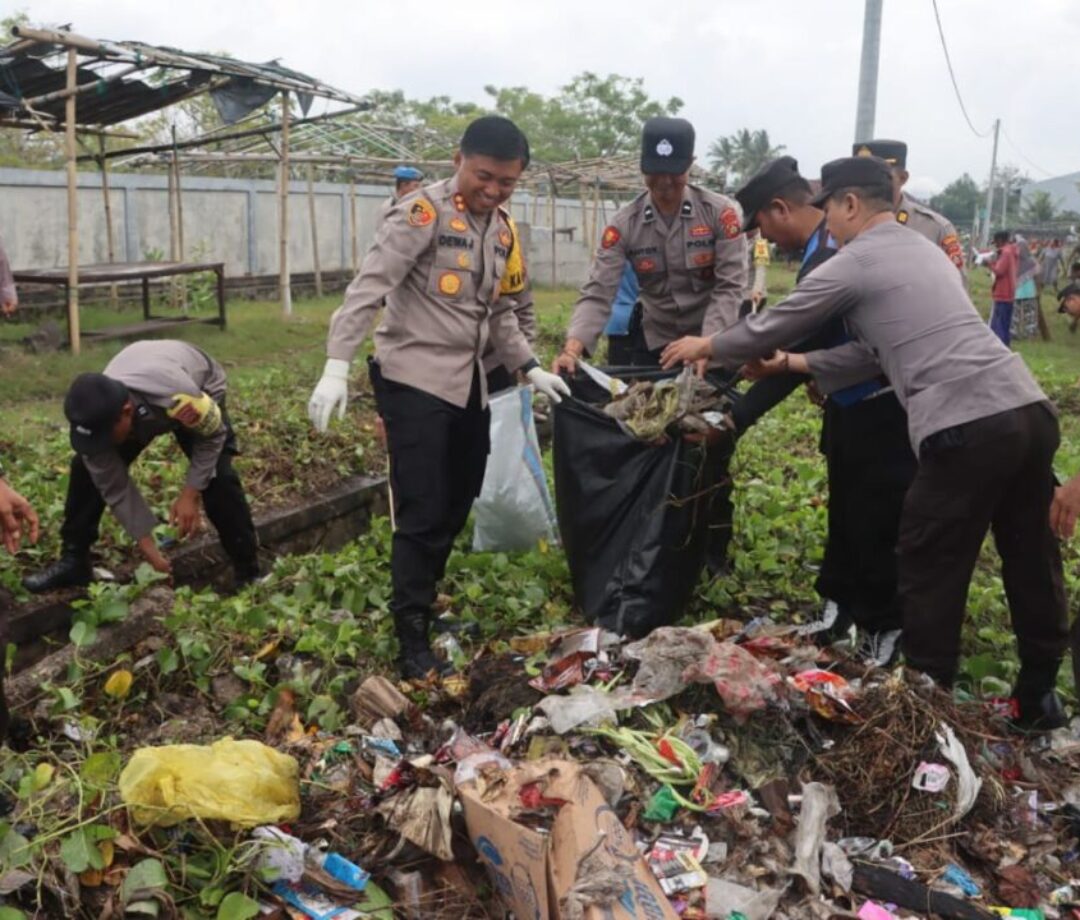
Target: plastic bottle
{"x": 337, "y": 866}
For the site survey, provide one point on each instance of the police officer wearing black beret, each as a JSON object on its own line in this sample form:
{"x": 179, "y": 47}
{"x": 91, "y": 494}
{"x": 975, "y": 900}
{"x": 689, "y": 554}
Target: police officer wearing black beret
{"x": 864, "y": 435}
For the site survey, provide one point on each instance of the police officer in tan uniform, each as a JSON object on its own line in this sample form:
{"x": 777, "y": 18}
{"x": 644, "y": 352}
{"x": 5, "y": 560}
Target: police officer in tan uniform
{"x": 448, "y": 262}
{"x": 937, "y": 229}
{"x": 149, "y": 389}
{"x": 407, "y": 179}
{"x": 687, "y": 248}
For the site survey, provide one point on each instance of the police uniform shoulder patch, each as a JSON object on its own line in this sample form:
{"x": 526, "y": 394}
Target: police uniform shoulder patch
{"x": 730, "y": 225}
{"x": 456, "y": 223}
{"x": 449, "y": 284}
{"x": 513, "y": 279}
{"x": 199, "y": 413}
{"x": 610, "y": 237}
{"x": 421, "y": 213}
{"x": 902, "y": 216}
{"x": 953, "y": 249}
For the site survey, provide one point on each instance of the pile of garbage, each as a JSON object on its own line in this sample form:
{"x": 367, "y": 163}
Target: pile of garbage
{"x": 730, "y": 770}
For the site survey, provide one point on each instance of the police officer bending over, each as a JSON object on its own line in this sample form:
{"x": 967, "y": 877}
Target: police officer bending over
{"x": 982, "y": 429}
{"x": 687, "y": 248}
{"x": 148, "y": 389}
{"x": 443, "y": 260}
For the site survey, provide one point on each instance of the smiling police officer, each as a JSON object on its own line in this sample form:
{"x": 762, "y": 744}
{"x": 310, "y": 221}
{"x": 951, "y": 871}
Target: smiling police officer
{"x": 149, "y": 389}
{"x": 446, "y": 260}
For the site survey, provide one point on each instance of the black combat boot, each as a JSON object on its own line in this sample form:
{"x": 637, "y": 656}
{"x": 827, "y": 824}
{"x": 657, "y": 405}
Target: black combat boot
{"x": 71, "y": 570}
{"x": 1038, "y": 707}
{"x": 416, "y": 660}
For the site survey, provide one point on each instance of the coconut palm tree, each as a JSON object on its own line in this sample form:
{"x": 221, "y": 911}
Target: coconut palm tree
{"x": 738, "y": 156}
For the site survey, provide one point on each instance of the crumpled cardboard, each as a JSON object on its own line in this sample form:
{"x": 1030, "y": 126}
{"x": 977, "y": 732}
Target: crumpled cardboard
{"x": 534, "y": 871}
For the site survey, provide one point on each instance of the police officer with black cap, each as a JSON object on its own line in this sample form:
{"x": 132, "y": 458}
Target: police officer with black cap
{"x": 685, "y": 244}
{"x": 863, "y": 437}
{"x": 687, "y": 248}
{"x": 150, "y": 388}
{"x": 937, "y": 229}
{"x": 983, "y": 430}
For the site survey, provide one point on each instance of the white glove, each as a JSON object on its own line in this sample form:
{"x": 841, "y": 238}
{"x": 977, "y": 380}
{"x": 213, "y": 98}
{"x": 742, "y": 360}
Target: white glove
{"x": 331, "y": 392}
{"x": 551, "y": 385}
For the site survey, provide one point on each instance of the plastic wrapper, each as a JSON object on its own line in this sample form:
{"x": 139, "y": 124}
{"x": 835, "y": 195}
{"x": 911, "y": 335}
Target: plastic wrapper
{"x": 514, "y": 510}
{"x": 583, "y": 707}
{"x": 819, "y": 803}
{"x": 244, "y": 782}
{"x": 744, "y": 683}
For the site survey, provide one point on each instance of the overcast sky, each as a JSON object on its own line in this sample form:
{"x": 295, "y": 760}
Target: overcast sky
{"x": 789, "y": 66}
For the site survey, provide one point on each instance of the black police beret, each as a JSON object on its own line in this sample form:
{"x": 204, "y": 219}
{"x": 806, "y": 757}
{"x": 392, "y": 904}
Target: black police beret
{"x": 667, "y": 146}
{"x": 892, "y": 152}
{"x": 763, "y": 186}
{"x": 92, "y": 406}
{"x": 847, "y": 172}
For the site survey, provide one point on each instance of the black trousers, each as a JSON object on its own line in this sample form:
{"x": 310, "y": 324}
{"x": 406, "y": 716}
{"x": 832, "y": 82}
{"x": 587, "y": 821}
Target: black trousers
{"x": 721, "y": 510}
{"x": 991, "y": 474}
{"x": 438, "y": 453}
{"x": 870, "y": 465}
{"x": 224, "y": 500}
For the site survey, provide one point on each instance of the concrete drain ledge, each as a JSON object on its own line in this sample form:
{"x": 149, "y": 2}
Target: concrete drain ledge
{"x": 325, "y": 523}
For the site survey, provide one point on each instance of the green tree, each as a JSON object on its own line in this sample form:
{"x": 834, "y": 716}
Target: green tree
{"x": 597, "y": 116}
{"x": 738, "y": 156}
{"x": 1039, "y": 208}
{"x": 958, "y": 200}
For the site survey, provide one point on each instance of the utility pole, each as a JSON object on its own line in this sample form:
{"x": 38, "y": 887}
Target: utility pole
{"x": 868, "y": 72}
{"x": 990, "y": 186}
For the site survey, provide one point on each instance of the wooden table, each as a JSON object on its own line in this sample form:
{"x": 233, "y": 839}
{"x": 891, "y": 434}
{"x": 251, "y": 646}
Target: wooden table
{"x": 127, "y": 273}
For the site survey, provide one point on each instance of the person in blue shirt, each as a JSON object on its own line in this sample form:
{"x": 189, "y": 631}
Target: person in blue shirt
{"x": 624, "y": 323}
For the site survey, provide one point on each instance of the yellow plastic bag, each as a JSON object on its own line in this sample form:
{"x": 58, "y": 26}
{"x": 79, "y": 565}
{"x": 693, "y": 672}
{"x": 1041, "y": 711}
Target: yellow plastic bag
{"x": 244, "y": 782}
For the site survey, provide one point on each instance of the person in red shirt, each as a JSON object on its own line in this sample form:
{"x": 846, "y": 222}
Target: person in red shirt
{"x": 1003, "y": 292}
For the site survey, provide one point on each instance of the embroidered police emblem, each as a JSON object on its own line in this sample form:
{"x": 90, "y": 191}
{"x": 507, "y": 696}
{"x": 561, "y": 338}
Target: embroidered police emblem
{"x": 664, "y": 148}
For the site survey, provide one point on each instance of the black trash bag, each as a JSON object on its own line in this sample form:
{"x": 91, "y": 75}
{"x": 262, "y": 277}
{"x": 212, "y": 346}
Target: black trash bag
{"x": 632, "y": 516}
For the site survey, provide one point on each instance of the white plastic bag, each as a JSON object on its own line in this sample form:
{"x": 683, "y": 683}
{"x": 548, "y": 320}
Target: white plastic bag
{"x": 514, "y": 510}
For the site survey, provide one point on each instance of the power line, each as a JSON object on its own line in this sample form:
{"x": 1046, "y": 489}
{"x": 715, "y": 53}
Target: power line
{"x": 952, "y": 75}
{"x": 1020, "y": 153}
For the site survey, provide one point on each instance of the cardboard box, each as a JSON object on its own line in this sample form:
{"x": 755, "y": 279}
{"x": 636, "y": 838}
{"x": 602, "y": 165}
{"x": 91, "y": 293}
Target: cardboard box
{"x": 533, "y": 870}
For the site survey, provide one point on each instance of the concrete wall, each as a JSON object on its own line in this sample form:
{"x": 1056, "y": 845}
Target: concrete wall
{"x": 236, "y": 221}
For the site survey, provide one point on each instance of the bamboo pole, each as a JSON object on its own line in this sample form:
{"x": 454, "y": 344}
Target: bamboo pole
{"x": 583, "y": 204}
{"x": 74, "y": 334}
{"x": 554, "y": 273}
{"x": 179, "y": 201}
{"x": 595, "y": 215}
{"x": 283, "y": 211}
{"x": 181, "y": 282}
{"x": 352, "y": 226}
{"x": 170, "y": 176}
{"x": 110, "y": 237}
{"x": 314, "y": 230}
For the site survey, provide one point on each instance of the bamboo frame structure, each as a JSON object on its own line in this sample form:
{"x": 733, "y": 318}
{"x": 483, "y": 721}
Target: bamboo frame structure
{"x": 96, "y": 70}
